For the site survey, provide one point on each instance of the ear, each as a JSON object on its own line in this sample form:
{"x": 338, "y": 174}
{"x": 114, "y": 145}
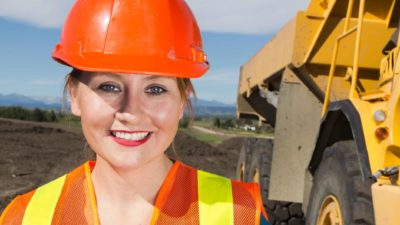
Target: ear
{"x": 75, "y": 109}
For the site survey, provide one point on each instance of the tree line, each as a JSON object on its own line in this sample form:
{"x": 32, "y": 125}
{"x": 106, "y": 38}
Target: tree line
{"x": 38, "y": 115}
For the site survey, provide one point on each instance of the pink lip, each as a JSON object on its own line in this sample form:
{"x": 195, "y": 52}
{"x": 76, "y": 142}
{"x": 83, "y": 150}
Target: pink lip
{"x": 130, "y": 132}
{"x": 130, "y": 143}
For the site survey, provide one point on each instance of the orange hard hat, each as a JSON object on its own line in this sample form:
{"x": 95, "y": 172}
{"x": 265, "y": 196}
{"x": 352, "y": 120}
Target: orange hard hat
{"x": 156, "y": 37}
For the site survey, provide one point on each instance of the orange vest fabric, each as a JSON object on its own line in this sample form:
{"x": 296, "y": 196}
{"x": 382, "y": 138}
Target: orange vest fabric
{"x": 177, "y": 202}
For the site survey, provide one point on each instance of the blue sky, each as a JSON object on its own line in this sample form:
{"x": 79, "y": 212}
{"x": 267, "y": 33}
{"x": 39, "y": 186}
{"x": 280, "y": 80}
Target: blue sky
{"x": 231, "y": 35}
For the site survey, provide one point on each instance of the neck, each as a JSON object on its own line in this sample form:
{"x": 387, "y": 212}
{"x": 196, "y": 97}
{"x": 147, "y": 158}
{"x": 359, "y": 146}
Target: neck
{"x": 129, "y": 185}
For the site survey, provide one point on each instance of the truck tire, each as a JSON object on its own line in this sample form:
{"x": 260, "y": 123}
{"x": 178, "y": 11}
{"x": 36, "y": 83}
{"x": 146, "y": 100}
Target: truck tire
{"x": 338, "y": 189}
{"x": 279, "y": 213}
{"x": 244, "y": 158}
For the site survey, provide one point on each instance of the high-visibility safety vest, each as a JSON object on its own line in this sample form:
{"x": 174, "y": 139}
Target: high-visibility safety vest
{"x": 187, "y": 196}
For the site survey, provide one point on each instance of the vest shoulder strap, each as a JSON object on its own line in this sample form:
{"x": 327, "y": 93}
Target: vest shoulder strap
{"x": 35, "y": 207}
{"x": 215, "y": 199}
{"x": 40, "y": 209}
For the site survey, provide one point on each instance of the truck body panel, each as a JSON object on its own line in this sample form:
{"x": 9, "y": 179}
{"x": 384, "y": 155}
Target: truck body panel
{"x": 294, "y": 142}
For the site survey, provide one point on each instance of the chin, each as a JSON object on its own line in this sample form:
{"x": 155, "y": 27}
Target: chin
{"x": 128, "y": 161}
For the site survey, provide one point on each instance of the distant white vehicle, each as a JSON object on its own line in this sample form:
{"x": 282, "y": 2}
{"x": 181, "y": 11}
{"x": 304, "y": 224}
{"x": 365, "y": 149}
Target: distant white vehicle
{"x": 248, "y": 127}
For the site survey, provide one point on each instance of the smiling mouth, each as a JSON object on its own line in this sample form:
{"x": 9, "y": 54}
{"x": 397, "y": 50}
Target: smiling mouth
{"x": 135, "y": 136}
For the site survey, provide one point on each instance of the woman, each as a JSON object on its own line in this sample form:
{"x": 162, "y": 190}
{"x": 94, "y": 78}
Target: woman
{"x": 132, "y": 60}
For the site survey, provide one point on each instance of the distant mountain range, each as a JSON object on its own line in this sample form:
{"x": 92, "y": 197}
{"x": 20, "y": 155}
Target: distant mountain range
{"x": 30, "y": 102}
{"x": 206, "y": 103}
{"x": 201, "y": 107}
{"x": 213, "y": 108}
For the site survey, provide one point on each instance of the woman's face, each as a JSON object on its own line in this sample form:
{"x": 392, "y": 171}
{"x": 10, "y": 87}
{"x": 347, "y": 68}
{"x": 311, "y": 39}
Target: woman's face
{"x": 128, "y": 120}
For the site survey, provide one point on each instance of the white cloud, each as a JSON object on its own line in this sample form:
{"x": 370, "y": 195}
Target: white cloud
{"x": 245, "y": 16}
{"x": 235, "y": 16}
{"x": 41, "y": 13}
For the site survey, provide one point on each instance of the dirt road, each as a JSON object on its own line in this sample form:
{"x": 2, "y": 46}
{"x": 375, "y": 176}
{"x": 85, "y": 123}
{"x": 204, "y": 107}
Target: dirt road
{"x": 31, "y": 154}
{"x": 209, "y": 131}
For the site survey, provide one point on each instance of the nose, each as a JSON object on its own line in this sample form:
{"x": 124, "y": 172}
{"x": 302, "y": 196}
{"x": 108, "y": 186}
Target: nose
{"x": 131, "y": 110}
{"x": 126, "y": 117}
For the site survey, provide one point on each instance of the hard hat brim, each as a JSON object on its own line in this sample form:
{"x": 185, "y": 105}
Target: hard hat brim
{"x": 160, "y": 66}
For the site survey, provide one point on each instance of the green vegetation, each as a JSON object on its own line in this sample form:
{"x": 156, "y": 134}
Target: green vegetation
{"x": 225, "y": 127}
{"x": 205, "y": 137}
{"x": 217, "y": 122}
{"x": 184, "y": 122}
{"x": 232, "y": 126}
{"x": 70, "y": 121}
{"x": 38, "y": 115}
{"x": 27, "y": 114}
{"x": 185, "y": 126}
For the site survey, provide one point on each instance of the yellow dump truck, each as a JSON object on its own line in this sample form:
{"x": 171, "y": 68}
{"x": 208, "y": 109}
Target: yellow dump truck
{"x": 329, "y": 83}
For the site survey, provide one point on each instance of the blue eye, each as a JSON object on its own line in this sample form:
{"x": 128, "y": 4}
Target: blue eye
{"x": 155, "y": 90}
{"x": 109, "y": 88}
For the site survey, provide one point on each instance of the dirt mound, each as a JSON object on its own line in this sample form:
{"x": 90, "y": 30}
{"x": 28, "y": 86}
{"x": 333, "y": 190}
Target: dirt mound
{"x": 32, "y": 154}
{"x": 220, "y": 159}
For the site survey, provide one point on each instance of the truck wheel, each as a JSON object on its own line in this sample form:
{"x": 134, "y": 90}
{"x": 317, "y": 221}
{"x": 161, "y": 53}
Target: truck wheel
{"x": 287, "y": 213}
{"x": 243, "y": 163}
{"x": 339, "y": 195}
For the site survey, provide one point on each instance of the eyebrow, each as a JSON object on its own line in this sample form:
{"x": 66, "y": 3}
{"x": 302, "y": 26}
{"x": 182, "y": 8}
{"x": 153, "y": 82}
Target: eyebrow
{"x": 116, "y": 76}
{"x": 147, "y": 77}
{"x": 159, "y": 77}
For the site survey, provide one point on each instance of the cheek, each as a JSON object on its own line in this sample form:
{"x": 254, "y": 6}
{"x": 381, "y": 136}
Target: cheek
{"x": 95, "y": 111}
{"x": 166, "y": 115}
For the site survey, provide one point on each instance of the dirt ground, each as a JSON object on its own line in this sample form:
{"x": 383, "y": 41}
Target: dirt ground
{"x": 32, "y": 154}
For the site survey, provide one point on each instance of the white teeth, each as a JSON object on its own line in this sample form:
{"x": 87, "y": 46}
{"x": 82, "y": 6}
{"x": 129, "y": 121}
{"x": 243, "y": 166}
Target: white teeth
{"x": 132, "y": 136}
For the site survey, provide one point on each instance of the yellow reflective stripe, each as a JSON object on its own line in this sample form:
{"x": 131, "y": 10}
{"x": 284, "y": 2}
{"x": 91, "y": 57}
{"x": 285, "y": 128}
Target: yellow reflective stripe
{"x": 41, "y": 207}
{"x": 215, "y": 199}
{"x": 155, "y": 215}
{"x": 92, "y": 195}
